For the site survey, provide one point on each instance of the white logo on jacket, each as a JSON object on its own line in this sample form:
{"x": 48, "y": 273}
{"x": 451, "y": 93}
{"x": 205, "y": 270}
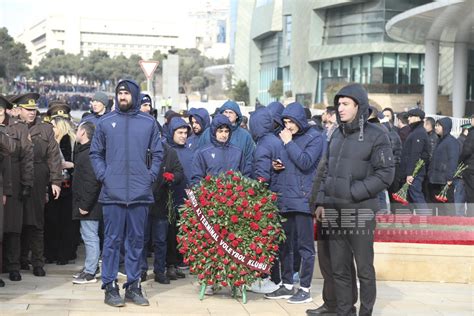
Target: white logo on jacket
{"x": 114, "y": 124}
{"x": 213, "y": 155}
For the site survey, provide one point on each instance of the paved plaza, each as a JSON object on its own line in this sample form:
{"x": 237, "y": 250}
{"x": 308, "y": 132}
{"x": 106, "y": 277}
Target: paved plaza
{"x": 56, "y": 295}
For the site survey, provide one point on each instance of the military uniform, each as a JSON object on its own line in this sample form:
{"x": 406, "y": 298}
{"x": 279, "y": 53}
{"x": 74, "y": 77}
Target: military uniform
{"x": 47, "y": 169}
{"x": 5, "y": 181}
{"x": 21, "y": 154}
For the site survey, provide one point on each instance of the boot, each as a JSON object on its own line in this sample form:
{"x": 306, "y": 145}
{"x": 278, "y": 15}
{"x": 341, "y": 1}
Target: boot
{"x": 133, "y": 293}
{"x": 112, "y": 295}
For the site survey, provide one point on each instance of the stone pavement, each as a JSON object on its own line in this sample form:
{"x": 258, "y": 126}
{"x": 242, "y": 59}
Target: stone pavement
{"x": 56, "y": 295}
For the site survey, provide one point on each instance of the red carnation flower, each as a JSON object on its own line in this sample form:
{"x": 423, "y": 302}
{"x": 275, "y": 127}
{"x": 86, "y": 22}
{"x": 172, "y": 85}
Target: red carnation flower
{"x": 242, "y": 194}
{"x": 270, "y": 215}
{"x": 254, "y": 226}
{"x": 256, "y": 207}
{"x": 230, "y": 173}
{"x": 231, "y": 236}
{"x": 234, "y": 243}
{"x": 264, "y": 200}
{"x": 251, "y": 192}
{"x": 234, "y": 219}
{"x": 207, "y": 178}
{"x": 239, "y": 209}
{"x": 168, "y": 176}
{"x": 274, "y": 197}
{"x": 230, "y": 203}
{"x": 245, "y": 203}
{"x": 258, "y": 216}
{"x": 258, "y": 250}
{"x": 224, "y": 283}
{"x": 210, "y": 213}
{"x": 239, "y": 188}
{"x": 229, "y": 186}
{"x": 261, "y": 179}
{"x": 220, "y": 212}
{"x": 235, "y": 178}
{"x": 228, "y": 193}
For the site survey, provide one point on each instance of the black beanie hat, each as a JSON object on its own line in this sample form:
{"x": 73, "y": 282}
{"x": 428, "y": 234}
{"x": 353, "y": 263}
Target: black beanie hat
{"x": 123, "y": 86}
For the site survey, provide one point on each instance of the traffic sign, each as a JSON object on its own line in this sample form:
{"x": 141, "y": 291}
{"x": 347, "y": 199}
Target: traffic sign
{"x": 148, "y": 67}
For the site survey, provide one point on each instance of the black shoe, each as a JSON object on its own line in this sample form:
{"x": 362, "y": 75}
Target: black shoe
{"x": 321, "y": 310}
{"x": 143, "y": 276}
{"x": 161, "y": 278}
{"x": 49, "y": 261}
{"x": 24, "y": 266}
{"x": 280, "y": 293}
{"x": 133, "y": 293}
{"x": 39, "y": 271}
{"x": 180, "y": 274}
{"x": 112, "y": 295}
{"x": 14, "y": 276}
{"x": 2, "y": 284}
{"x": 171, "y": 273}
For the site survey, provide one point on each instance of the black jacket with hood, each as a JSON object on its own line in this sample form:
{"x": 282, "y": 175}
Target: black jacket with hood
{"x": 359, "y": 159}
{"x": 445, "y": 156}
{"x": 416, "y": 146}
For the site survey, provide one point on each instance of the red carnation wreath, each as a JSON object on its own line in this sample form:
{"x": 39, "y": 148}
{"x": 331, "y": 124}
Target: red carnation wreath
{"x": 230, "y": 231}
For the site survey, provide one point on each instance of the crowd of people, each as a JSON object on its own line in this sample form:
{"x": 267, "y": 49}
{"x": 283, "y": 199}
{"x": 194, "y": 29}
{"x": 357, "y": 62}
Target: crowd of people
{"x": 109, "y": 181}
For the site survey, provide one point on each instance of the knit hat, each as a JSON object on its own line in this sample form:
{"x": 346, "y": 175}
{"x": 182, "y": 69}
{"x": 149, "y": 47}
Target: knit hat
{"x": 101, "y": 97}
{"x": 123, "y": 86}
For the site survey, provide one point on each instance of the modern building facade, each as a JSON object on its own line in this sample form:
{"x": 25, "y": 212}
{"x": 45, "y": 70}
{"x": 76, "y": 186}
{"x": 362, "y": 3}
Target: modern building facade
{"x": 82, "y": 34}
{"x": 313, "y": 45}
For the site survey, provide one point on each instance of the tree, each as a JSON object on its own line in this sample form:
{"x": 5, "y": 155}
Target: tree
{"x": 14, "y": 57}
{"x": 276, "y": 89}
{"x": 240, "y": 92}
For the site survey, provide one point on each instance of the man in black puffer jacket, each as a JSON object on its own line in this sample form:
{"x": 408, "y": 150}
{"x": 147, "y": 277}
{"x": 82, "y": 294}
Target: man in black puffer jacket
{"x": 467, "y": 157}
{"x": 416, "y": 147}
{"x": 360, "y": 166}
{"x": 443, "y": 165}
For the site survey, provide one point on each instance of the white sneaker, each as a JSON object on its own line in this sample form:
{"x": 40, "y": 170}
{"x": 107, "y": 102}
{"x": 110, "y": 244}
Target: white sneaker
{"x": 263, "y": 286}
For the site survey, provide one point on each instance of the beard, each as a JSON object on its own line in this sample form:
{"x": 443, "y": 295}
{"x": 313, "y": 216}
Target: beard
{"x": 125, "y": 106}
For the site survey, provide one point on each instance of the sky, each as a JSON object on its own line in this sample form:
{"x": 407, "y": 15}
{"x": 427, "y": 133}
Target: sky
{"x": 16, "y": 15}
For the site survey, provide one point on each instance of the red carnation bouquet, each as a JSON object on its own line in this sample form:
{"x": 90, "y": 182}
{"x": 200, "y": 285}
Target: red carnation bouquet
{"x": 443, "y": 195}
{"x": 230, "y": 230}
{"x": 401, "y": 195}
{"x": 169, "y": 178}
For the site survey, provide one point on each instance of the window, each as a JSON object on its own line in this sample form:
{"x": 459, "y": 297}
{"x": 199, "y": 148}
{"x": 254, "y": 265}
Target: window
{"x": 288, "y": 34}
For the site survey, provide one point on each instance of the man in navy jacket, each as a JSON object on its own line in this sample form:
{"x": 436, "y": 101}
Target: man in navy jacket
{"x": 126, "y": 155}
{"x": 297, "y": 164}
{"x": 220, "y": 155}
{"x": 200, "y": 121}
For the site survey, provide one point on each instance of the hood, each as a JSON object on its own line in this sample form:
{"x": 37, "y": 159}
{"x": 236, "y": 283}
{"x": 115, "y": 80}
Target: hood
{"x": 295, "y": 112}
{"x": 447, "y": 124}
{"x": 135, "y": 92}
{"x": 220, "y": 120}
{"x": 261, "y": 123}
{"x": 175, "y": 123}
{"x": 231, "y": 105}
{"x": 202, "y": 116}
{"x": 276, "y": 108}
{"x": 356, "y": 92}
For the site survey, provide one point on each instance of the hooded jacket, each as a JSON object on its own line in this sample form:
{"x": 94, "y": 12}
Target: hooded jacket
{"x": 85, "y": 187}
{"x": 216, "y": 158}
{"x": 276, "y": 108}
{"x": 185, "y": 156}
{"x": 300, "y": 157}
{"x": 268, "y": 146}
{"x": 445, "y": 156}
{"x": 240, "y": 136}
{"x": 359, "y": 159}
{"x": 416, "y": 146}
{"x": 126, "y": 153}
{"x": 201, "y": 115}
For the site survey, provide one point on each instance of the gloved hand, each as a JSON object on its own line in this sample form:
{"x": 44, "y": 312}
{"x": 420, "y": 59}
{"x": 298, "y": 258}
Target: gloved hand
{"x": 25, "y": 192}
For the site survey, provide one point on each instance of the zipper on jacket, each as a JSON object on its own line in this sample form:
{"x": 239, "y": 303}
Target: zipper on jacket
{"x": 127, "y": 117}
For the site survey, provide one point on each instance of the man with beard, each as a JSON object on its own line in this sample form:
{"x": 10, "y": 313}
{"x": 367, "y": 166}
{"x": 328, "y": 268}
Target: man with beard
{"x": 126, "y": 154}
{"x": 21, "y": 152}
{"x": 200, "y": 121}
{"x": 47, "y": 170}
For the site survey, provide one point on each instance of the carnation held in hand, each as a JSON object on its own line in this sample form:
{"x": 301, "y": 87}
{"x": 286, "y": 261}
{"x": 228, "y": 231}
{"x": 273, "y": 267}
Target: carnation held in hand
{"x": 230, "y": 231}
